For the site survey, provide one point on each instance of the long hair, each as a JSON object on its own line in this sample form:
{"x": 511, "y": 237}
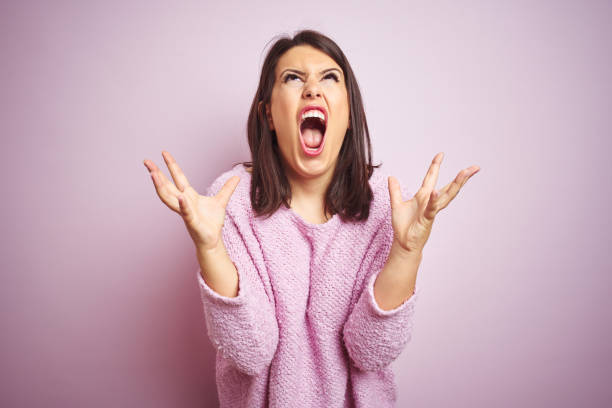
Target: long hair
{"x": 349, "y": 193}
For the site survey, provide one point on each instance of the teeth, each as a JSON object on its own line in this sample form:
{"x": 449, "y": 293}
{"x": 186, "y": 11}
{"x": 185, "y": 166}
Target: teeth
{"x": 313, "y": 113}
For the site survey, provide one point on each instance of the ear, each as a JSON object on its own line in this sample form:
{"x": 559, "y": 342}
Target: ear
{"x": 267, "y": 114}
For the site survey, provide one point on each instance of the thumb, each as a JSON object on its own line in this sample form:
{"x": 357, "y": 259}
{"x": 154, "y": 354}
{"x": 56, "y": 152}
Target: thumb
{"x": 227, "y": 190}
{"x": 395, "y": 195}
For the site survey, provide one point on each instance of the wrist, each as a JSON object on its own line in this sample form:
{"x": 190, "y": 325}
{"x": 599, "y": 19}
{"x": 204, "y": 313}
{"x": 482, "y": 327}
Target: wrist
{"x": 210, "y": 252}
{"x": 411, "y": 255}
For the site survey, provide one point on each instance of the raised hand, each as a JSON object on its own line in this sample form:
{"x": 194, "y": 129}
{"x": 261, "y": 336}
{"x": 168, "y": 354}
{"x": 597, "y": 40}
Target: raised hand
{"x": 203, "y": 216}
{"x": 412, "y": 220}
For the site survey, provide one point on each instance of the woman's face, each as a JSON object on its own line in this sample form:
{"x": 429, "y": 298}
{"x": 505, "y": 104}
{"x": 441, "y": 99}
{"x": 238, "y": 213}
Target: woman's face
{"x": 305, "y": 79}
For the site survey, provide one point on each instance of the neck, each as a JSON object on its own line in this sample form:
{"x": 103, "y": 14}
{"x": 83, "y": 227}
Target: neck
{"x": 308, "y": 193}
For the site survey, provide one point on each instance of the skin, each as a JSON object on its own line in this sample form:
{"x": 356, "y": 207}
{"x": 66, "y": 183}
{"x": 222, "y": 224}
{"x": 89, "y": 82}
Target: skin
{"x": 203, "y": 217}
{"x": 413, "y": 219}
{"x": 308, "y": 176}
{"x": 412, "y": 222}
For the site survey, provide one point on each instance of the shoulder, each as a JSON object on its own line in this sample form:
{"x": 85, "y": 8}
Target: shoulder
{"x": 240, "y": 199}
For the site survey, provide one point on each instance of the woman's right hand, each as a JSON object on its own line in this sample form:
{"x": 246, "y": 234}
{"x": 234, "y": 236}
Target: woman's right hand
{"x": 203, "y": 216}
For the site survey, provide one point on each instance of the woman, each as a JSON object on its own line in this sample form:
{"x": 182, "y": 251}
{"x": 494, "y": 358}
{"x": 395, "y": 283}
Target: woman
{"x": 308, "y": 254}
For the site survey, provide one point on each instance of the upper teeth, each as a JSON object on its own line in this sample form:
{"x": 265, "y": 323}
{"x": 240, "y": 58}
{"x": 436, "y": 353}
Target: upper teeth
{"x": 313, "y": 113}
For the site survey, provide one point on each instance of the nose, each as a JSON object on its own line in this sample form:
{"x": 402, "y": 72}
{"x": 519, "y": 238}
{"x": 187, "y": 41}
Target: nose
{"x": 311, "y": 90}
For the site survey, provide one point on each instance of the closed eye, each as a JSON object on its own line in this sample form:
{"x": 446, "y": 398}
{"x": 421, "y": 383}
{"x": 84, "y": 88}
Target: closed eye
{"x": 331, "y": 75}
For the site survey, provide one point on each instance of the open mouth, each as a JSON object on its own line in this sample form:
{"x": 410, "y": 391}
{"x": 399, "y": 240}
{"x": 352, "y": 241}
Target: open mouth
{"x": 312, "y": 131}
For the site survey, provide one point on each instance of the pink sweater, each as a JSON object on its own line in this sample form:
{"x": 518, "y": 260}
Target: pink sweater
{"x": 305, "y": 329}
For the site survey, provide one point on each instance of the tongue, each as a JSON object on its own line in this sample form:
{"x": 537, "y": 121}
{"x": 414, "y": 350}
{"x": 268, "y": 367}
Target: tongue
{"x": 312, "y": 137}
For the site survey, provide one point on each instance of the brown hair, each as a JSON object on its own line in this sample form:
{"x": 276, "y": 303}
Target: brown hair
{"x": 349, "y": 193}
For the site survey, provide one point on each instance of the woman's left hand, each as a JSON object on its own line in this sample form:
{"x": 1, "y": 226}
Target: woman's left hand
{"x": 412, "y": 220}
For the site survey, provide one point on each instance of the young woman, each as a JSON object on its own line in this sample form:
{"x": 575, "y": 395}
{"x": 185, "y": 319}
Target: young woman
{"x": 308, "y": 254}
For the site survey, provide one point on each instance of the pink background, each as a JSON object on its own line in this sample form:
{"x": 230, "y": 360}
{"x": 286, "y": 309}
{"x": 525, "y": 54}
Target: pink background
{"x": 99, "y": 302}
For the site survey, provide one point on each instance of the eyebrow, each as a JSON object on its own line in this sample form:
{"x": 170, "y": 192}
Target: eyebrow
{"x": 302, "y": 73}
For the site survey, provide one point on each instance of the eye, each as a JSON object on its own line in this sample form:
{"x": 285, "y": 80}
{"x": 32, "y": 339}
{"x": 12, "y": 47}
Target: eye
{"x": 289, "y": 76}
{"x": 331, "y": 75}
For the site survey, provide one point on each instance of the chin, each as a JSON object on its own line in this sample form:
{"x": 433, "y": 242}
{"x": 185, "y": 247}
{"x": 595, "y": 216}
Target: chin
{"x": 314, "y": 166}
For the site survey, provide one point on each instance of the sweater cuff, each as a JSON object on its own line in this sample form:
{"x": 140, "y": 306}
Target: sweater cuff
{"x": 374, "y": 308}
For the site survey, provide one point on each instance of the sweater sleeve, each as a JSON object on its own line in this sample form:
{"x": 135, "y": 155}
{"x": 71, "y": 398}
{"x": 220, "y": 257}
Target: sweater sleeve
{"x": 375, "y": 337}
{"x": 242, "y": 328}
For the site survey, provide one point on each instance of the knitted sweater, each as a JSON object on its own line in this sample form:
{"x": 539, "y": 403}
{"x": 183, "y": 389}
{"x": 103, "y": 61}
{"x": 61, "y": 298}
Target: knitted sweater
{"x": 305, "y": 329}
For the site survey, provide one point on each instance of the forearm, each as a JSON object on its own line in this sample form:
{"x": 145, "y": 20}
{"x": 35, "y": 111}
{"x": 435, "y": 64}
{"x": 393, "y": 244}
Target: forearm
{"x": 380, "y": 324}
{"x": 396, "y": 281}
{"x": 240, "y": 319}
{"x": 218, "y": 270}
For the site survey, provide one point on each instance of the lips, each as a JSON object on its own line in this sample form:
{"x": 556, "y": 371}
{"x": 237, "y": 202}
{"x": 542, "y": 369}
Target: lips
{"x": 312, "y": 107}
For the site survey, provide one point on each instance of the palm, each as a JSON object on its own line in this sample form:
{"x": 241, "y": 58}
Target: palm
{"x": 203, "y": 215}
{"x": 407, "y": 223}
{"x": 208, "y": 218}
{"x": 412, "y": 219}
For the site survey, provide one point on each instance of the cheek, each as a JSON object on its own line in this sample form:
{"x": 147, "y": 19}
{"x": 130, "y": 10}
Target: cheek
{"x": 283, "y": 109}
{"x": 341, "y": 107}
{"x": 284, "y": 125}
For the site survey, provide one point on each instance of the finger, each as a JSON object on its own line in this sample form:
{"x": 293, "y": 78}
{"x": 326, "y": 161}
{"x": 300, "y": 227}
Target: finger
{"x": 432, "y": 206}
{"x": 185, "y": 208}
{"x": 451, "y": 190}
{"x": 160, "y": 176}
{"x": 395, "y": 194}
{"x": 227, "y": 190}
{"x": 150, "y": 166}
{"x": 472, "y": 169}
{"x": 166, "y": 190}
{"x": 175, "y": 171}
{"x": 147, "y": 165}
{"x": 431, "y": 178}
{"x": 163, "y": 184}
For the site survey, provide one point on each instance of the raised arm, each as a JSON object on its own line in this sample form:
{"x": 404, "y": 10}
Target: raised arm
{"x": 240, "y": 318}
{"x": 374, "y": 337}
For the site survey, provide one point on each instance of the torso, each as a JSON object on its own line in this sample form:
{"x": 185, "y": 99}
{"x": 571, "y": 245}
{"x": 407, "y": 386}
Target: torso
{"x": 309, "y": 213}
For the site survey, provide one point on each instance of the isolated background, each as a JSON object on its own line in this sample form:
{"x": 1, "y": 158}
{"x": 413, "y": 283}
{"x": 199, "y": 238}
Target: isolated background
{"x": 99, "y": 304}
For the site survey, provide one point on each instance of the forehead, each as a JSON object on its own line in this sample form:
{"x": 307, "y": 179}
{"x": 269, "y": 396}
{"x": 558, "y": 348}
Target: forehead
{"x": 305, "y": 58}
